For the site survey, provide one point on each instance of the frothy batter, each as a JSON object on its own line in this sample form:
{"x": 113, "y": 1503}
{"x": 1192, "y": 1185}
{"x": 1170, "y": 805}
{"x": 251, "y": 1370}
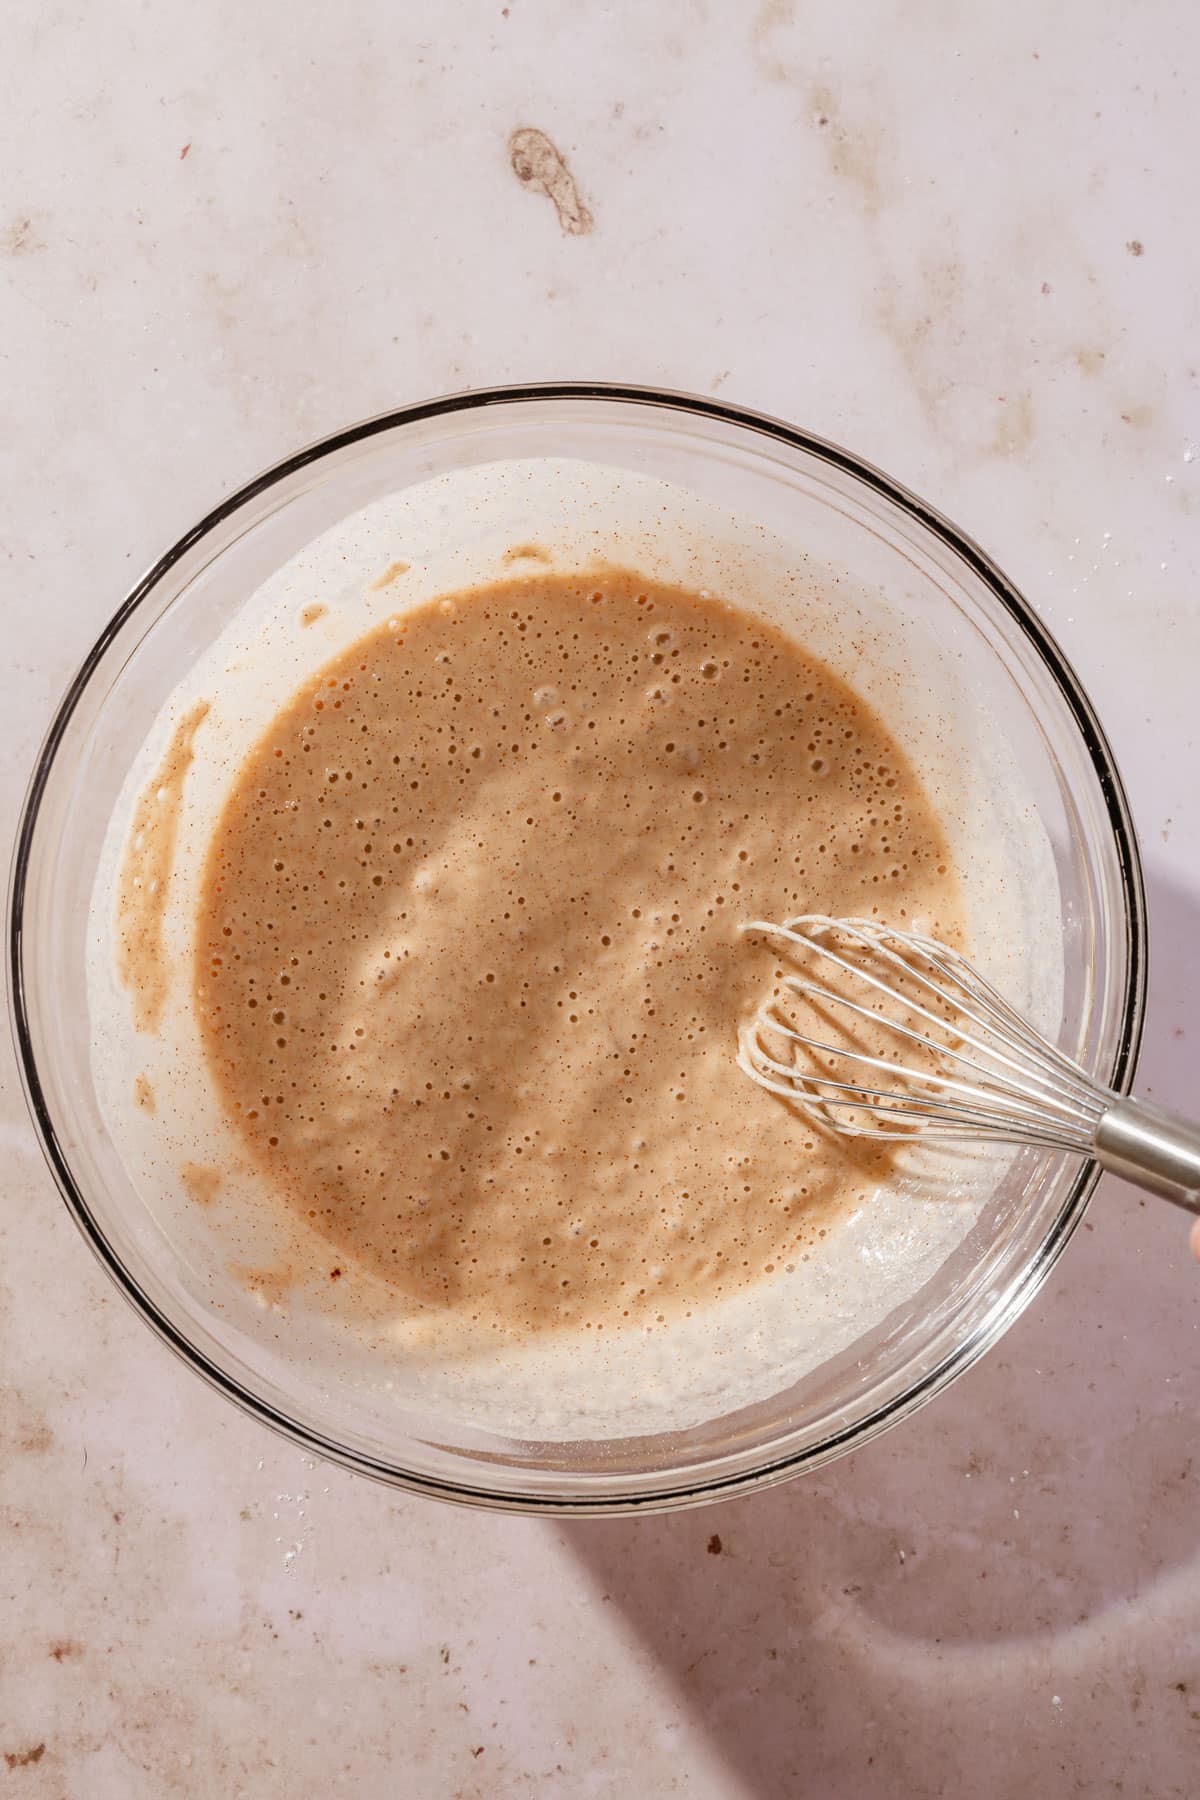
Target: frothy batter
{"x": 468, "y": 971}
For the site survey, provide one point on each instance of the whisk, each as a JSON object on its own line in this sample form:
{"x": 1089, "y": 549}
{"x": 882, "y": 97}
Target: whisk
{"x": 972, "y": 1066}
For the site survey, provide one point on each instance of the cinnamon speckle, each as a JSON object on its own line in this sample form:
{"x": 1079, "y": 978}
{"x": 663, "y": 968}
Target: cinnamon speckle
{"x": 143, "y": 1094}
{"x": 310, "y": 614}
{"x": 390, "y": 574}
{"x": 527, "y": 553}
{"x": 183, "y": 152}
{"x": 202, "y": 1183}
{"x": 272, "y": 1285}
{"x": 715, "y": 1545}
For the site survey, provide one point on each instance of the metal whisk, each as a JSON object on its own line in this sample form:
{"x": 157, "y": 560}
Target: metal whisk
{"x": 972, "y": 1066}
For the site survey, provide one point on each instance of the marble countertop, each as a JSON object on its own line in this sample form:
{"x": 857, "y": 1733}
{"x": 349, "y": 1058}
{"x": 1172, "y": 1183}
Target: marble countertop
{"x": 960, "y": 240}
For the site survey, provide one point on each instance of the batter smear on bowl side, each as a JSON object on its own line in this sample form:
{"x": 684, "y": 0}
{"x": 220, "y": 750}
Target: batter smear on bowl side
{"x": 468, "y": 971}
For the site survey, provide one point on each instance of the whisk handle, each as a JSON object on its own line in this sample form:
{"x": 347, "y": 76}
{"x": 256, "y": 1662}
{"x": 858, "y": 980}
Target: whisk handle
{"x": 1156, "y": 1150}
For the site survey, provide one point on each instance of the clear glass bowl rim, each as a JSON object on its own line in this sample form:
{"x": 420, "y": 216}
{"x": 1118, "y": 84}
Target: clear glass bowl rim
{"x": 1119, "y": 820}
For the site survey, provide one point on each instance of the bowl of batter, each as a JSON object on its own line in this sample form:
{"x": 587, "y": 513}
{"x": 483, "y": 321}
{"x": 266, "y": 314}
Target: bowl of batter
{"x": 375, "y": 949}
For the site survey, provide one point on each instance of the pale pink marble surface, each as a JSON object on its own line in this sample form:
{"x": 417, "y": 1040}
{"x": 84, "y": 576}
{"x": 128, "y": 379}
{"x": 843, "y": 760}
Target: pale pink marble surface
{"x": 959, "y": 239}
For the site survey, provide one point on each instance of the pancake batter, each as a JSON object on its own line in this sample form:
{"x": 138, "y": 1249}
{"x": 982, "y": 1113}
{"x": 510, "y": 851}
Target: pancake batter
{"x": 468, "y": 972}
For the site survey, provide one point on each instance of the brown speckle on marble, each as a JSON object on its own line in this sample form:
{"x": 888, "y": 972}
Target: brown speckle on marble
{"x": 21, "y": 1759}
{"x": 540, "y": 166}
{"x": 1136, "y": 247}
{"x": 771, "y": 17}
{"x": 853, "y": 153}
{"x": 23, "y": 1426}
{"x": 917, "y": 321}
{"x": 183, "y": 153}
{"x": 310, "y": 614}
{"x": 65, "y": 1648}
{"x": 715, "y": 1546}
{"x": 390, "y": 574}
{"x": 1140, "y": 417}
{"x": 21, "y": 238}
{"x": 1090, "y": 360}
{"x": 1014, "y": 425}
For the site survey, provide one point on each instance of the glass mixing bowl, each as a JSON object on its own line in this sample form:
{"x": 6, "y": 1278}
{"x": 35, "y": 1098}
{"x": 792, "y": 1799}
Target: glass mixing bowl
{"x": 833, "y": 513}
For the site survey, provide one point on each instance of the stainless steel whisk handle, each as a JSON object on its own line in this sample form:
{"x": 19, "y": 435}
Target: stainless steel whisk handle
{"x": 1154, "y": 1149}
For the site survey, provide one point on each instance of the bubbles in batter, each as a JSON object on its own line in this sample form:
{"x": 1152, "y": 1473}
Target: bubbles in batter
{"x": 467, "y": 963}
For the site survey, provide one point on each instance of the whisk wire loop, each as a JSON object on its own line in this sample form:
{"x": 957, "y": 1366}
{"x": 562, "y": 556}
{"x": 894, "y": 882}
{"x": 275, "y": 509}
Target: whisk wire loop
{"x": 1017, "y": 1087}
{"x": 974, "y": 1067}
